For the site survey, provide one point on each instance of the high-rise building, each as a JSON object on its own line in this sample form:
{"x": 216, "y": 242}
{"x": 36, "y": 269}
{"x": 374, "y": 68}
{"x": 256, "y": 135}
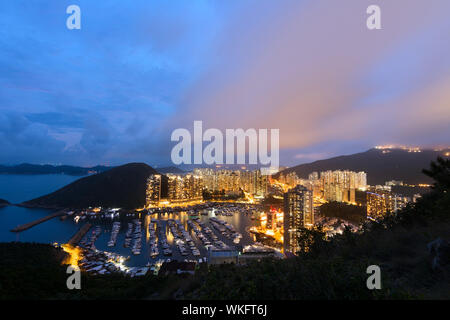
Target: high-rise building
{"x": 381, "y": 200}
{"x": 208, "y": 177}
{"x": 261, "y": 183}
{"x": 153, "y": 193}
{"x": 184, "y": 188}
{"x": 298, "y": 213}
{"x": 378, "y": 203}
{"x": 313, "y": 176}
{"x": 341, "y": 185}
{"x": 232, "y": 181}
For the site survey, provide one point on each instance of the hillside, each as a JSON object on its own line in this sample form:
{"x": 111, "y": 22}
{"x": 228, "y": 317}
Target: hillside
{"x": 122, "y": 186}
{"x": 380, "y": 165}
{"x": 4, "y": 203}
{"x": 21, "y": 262}
{"x": 27, "y": 168}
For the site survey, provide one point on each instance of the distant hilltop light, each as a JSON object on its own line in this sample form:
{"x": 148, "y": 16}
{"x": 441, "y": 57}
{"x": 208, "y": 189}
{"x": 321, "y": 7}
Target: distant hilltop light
{"x": 409, "y": 149}
{"x": 438, "y": 149}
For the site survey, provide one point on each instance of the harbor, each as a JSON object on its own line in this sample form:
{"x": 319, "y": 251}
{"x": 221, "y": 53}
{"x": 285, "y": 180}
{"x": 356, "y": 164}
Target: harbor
{"x": 161, "y": 235}
{"x": 147, "y": 239}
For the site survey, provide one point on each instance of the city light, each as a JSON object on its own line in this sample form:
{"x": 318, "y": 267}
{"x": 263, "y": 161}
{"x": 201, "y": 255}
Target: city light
{"x": 75, "y": 255}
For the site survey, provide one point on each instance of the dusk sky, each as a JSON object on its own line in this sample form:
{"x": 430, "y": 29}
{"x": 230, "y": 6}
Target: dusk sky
{"x": 114, "y": 91}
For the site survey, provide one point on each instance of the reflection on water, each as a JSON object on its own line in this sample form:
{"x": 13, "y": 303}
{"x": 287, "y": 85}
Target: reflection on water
{"x": 240, "y": 221}
{"x": 55, "y": 230}
{"x": 23, "y": 187}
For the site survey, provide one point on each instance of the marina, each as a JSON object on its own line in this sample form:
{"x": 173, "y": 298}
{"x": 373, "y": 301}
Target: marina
{"x": 153, "y": 236}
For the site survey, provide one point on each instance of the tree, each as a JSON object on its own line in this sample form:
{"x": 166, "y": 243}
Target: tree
{"x": 440, "y": 172}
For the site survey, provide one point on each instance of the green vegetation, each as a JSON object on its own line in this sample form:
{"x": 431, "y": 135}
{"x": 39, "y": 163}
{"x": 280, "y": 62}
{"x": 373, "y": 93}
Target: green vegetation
{"x": 30, "y": 270}
{"x": 35, "y": 271}
{"x": 341, "y": 210}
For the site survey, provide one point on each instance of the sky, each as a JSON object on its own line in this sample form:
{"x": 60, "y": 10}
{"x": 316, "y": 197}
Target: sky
{"x": 114, "y": 91}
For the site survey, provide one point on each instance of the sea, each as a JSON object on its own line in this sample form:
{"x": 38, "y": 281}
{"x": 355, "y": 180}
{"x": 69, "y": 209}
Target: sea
{"x": 20, "y": 188}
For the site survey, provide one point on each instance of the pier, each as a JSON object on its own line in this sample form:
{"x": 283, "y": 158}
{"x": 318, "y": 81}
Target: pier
{"x": 80, "y": 234}
{"x": 29, "y": 225}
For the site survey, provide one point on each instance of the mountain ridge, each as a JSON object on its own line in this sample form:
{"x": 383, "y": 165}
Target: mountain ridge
{"x": 381, "y": 165}
{"x": 28, "y": 168}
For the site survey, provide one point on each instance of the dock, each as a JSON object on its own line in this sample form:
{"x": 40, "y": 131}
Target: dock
{"x": 80, "y": 234}
{"x": 29, "y": 225}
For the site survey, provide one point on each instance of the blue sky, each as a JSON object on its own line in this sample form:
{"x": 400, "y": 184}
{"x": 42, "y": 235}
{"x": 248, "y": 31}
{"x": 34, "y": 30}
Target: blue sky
{"x": 113, "y": 91}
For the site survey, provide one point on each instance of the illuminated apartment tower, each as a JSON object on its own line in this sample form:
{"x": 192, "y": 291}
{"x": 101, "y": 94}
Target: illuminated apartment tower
{"x": 341, "y": 185}
{"x": 175, "y": 187}
{"x": 246, "y": 183}
{"x": 153, "y": 193}
{"x": 184, "y": 188}
{"x": 208, "y": 176}
{"x": 192, "y": 187}
{"x": 298, "y": 213}
{"x": 380, "y": 201}
{"x": 261, "y": 183}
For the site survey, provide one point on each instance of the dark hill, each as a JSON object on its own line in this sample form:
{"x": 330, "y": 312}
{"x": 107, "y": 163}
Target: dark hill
{"x": 393, "y": 164}
{"x": 4, "y": 203}
{"x": 122, "y": 187}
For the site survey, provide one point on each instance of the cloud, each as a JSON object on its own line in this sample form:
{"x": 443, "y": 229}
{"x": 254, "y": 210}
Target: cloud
{"x": 113, "y": 91}
{"x": 316, "y": 72}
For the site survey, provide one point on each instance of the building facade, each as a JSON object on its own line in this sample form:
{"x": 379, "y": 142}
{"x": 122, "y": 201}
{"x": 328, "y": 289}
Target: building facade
{"x": 184, "y": 187}
{"x": 298, "y": 213}
{"x": 153, "y": 193}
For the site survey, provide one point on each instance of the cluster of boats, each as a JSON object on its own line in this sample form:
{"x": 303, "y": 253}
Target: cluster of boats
{"x": 216, "y": 243}
{"x": 226, "y": 229}
{"x": 163, "y": 240}
{"x": 182, "y": 238}
{"x": 133, "y": 236}
{"x": 154, "y": 252}
{"x": 96, "y": 213}
{"x": 114, "y": 233}
{"x": 102, "y": 262}
{"x": 227, "y": 211}
{"x": 193, "y": 224}
{"x": 89, "y": 243}
{"x": 194, "y": 209}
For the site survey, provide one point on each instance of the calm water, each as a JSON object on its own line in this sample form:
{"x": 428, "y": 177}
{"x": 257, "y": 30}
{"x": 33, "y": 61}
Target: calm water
{"x": 239, "y": 221}
{"x": 19, "y": 188}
